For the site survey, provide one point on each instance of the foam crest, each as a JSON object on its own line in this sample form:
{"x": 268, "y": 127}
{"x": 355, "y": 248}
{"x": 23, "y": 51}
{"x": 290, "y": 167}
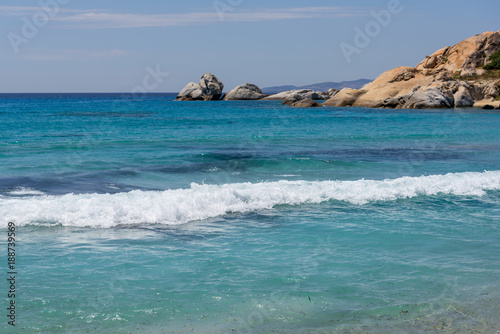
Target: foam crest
{"x": 22, "y": 191}
{"x": 207, "y": 201}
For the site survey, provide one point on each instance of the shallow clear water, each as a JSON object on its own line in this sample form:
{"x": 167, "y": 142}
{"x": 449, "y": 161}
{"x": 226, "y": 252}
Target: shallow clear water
{"x": 154, "y": 216}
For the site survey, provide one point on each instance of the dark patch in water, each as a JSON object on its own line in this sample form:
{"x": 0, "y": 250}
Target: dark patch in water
{"x": 64, "y": 135}
{"x": 106, "y": 114}
{"x": 227, "y": 156}
{"x": 391, "y": 154}
{"x": 64, "y": 184}
{"x": 224, "y": 165}
{"x": 176, "y": 232}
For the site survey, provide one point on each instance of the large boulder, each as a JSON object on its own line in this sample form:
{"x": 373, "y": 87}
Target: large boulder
{"x": 245, "y": 92}
{"x": 210, "y": 88}
{"x": 189, "y": 92}
{"x": 427, "y": 99}
{"x": 190, "y": 87}
{"x": 491, "y": 89}
{"x": 463, "y": 98}
{"x": 197, "y": 95}
{"x": 422, "y": 98}
{"x": 346, "y": 97}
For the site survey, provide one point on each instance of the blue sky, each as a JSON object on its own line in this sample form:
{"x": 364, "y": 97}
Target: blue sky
{"x": 111, "y": 46}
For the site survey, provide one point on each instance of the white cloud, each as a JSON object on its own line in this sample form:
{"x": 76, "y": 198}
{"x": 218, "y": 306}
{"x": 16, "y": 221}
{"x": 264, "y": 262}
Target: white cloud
{"x": 103, "y": 19}
{"x": 74, "y": 55}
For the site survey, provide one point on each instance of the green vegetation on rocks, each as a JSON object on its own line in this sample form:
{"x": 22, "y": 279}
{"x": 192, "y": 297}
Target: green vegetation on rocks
{"x": 495, "y": 62}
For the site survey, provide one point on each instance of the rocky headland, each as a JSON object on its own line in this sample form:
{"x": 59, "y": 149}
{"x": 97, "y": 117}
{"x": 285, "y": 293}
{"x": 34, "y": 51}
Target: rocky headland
{"x": 464, "y": 75}
{"x": 452, "y": 77}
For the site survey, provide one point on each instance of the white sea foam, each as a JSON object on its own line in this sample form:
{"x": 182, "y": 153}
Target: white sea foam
{"x": 206, "y": 201}
{"x": 22, "y": 191}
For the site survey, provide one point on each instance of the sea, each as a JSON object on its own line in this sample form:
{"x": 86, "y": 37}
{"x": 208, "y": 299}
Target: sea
{"x": 139, "y": 214}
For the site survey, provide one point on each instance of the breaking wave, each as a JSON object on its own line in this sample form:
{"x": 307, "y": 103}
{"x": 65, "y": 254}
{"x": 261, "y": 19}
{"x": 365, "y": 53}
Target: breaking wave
{"x": 200, "y": 202}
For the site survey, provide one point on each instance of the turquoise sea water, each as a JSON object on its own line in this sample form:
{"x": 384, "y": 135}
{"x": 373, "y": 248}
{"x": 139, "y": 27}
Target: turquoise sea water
{"x": 153, "y": 216}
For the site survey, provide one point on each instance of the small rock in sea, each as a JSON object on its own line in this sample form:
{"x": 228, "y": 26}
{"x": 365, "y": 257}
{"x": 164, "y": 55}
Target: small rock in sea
{"x": 291, "y": 99}
{"x": 305, "y": 103}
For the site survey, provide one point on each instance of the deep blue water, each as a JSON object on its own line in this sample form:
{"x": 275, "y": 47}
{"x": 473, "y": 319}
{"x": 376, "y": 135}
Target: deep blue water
{"x": 145, "y": 215}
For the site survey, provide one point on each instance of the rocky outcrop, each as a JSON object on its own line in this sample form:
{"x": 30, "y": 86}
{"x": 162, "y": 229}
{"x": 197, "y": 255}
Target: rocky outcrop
{"x": 451, "y": 96}
{"x": 330, "y": 93}
{"x": 463, "y": 98}
{"x": 466, "y": 57}
{"x": 303, "y": 93}
{"x": 436, "y": 82}
{"x": 346, "y": 97}
{"x": 491, "y": 89}
{"x": 427, "y": 98}
{"x": 291, "y": 99}
{"x": 208, "y": 89}
{"x": 211, "y": 87}
{"x": 294, "y": 98}
{"x": 305, "y": 103}
{"x": 187, "y": 93}
{"x": 487, "y": 104}
{"x": 245, "y": 92}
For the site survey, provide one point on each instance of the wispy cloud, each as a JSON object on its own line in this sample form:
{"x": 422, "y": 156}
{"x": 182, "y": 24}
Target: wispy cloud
{"x": 26, "y": 10}
{"x": 73, "y": 55}
{"x": 103, "y": 19}
{"x": 17, "y": 10}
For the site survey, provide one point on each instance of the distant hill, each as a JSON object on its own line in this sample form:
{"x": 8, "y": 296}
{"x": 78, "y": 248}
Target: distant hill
{"x": 322, "y": 87}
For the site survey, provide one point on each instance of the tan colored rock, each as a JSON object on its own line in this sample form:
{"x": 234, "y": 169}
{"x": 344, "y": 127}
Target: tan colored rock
{"x": 346, "y": 97}
{"x": 465, "y": 57}
{"x": 487, "y": 102}
{"x": 391, "y": 84}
